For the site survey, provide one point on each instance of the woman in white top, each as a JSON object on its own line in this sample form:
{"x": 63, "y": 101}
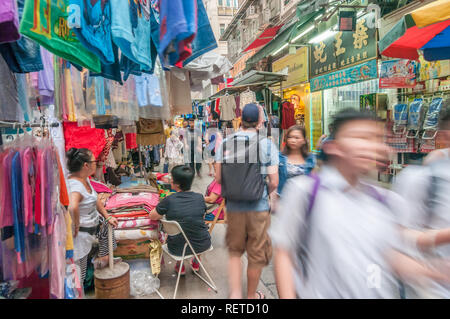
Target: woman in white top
{"x": 86, "y": 209}
{"x": 173, "y": 152}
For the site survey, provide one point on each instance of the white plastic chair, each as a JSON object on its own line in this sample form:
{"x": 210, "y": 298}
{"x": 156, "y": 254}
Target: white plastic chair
{"x": 173, "y": 228}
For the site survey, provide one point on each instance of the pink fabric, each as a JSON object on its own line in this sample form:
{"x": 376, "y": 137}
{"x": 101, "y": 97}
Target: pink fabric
{"x": 136, "y": 223}
{"x": 6, "y": 217}
{"x": 216, "y": 188}
{"x": 100, "y": 187}
{"x": 58, "y": 254}
{"x": 28, "y": 178}
{"x": 128, "y": 199}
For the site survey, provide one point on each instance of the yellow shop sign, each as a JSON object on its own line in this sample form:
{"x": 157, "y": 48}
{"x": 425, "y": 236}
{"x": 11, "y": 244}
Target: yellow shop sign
{"x": 297, "y": 65}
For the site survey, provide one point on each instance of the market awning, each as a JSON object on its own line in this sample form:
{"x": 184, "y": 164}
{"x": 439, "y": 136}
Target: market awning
{"x": 437, "y": 11}
{"x": 403, "y": 41}
{"x": 252, "y": 77}
{"x": 264, "y": 38}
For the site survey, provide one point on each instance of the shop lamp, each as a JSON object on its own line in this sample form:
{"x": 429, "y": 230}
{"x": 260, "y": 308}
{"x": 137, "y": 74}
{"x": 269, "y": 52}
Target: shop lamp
{"x": 322, "y": 36}
{"x": 303, "y": 33}
{"x": 280, "y": 49}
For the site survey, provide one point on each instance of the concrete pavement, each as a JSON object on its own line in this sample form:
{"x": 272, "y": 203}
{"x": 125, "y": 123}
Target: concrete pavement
{"x": 215, "y": 262}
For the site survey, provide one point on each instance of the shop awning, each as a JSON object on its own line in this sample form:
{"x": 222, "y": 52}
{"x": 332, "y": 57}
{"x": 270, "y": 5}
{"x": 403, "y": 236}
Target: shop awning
{"x": 264, "y": 38}
{"x": 258, "y": 77}
{"x": 437, "y": 11}
{"x": 403, "y": 41}
{"x": 286, "y": 34}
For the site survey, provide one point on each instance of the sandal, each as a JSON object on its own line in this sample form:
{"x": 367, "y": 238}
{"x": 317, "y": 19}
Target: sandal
{"x": 260, "y": 295}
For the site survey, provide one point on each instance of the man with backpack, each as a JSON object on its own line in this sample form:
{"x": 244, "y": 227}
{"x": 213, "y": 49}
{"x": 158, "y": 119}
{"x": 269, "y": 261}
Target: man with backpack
{"x": 243, "y": 163}
{"x": 427, "y": 223}
{"x": 334, "y": 235}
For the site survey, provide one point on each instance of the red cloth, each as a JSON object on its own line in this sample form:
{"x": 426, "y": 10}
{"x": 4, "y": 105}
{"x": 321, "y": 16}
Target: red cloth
{"x": 288, "y": 115}
{"x": 84, "y": 137}
{"x": 414, "y": 38}
{"x": 130, "y": 139}
{"x": 216, "y": 108}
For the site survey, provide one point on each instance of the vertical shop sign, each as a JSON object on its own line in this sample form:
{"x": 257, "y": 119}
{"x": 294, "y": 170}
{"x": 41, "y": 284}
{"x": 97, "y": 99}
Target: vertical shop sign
{"x": 316, "y": 119}
{"x": 344, "y": 49}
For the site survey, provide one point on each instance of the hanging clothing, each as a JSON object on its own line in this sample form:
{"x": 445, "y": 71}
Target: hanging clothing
{"x": 94, "y": 28}
{"x": 9, "y": 97}
{"x": 288, "y": 115}
{"x": 84, "y": 137}
{"x": 246, "y": 98}
{"x": 150, "y": 132}
{"x": 9, "y": 20}
{"x": 178, "y": 86}
{"x": 177, "y": 30}
{"x": 129, "y": 27}
{"x": 227, "y": 108}
{"x": 54, "y": 34}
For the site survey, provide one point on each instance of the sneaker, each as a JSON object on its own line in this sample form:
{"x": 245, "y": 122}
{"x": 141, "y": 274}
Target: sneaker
{"x": 177, "y": 269}
{"x": 195, "y": 265}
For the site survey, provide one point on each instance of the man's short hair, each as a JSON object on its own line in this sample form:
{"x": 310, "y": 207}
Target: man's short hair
{"x": 247, "y": 125}
{"x": 349, "y": 115}
{"x": 183, "y": 176}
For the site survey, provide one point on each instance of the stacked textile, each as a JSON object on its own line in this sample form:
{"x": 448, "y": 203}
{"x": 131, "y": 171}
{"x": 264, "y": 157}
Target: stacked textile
{"x": 135, "y": 228}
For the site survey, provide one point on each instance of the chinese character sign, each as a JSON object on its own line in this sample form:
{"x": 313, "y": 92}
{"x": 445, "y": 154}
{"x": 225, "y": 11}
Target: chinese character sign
{"x": 344, "y": 49}
{"x": 355, "y": 74}
{"x": 398, "y": 73}
{"x": 316, "y": 119}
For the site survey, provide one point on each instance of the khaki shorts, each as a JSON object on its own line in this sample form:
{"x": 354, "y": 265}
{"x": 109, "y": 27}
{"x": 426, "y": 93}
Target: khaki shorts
{"x": 247, "y": 231}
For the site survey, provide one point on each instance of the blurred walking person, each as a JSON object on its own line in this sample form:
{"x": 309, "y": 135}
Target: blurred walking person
{"x": 244, "y": 162}
{"x": 427, "y": 223}
{"x": 334, "y": 235}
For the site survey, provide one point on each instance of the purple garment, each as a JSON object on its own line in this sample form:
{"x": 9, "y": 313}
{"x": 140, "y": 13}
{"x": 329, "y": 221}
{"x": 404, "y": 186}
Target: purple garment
{"x": 49, "y": 188}
{"x": 9, "y": 21}
{"x": 46, "y": 81}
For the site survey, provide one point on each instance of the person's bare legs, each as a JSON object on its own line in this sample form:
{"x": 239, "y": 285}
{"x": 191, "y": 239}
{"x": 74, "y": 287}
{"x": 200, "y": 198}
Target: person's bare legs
{"x": 253, "y": 275}
{"x": 235, "y": 277}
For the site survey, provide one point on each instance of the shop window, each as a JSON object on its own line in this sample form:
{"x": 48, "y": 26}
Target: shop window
{"x": 220, "y": 3}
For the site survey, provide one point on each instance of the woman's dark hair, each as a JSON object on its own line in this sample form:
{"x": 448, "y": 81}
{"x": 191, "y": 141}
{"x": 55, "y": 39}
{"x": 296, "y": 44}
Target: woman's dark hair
{"x": 76, "y": 157}
{"x": 304, "y": 149}
{"x": 183, "y": 176}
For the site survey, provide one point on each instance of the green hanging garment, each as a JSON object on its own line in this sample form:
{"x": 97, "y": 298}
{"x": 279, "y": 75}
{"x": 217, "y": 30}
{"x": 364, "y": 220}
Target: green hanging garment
{"x": 45, "y": 21}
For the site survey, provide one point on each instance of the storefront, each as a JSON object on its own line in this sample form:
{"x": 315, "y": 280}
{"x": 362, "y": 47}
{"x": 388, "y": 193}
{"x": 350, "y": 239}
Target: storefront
{"x": 344, "y": 74}
{"x": 295, "y": 89}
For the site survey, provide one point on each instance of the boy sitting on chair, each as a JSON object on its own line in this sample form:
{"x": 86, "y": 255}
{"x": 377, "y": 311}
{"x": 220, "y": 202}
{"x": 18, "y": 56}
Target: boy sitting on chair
{"x": 188, "y": 209}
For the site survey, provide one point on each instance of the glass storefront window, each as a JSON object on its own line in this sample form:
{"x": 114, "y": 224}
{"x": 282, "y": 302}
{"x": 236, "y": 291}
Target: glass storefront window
{"x": 339, "y": 98}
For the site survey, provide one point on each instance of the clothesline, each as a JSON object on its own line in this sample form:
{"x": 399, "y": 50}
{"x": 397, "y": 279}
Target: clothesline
{"x": 26, "y": 124}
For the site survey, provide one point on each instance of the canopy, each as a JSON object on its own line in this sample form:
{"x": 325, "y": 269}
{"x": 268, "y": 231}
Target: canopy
{"x": 437, "y": 11}
{"x": 264, "y": 38}
{"x": 403, "y": 41}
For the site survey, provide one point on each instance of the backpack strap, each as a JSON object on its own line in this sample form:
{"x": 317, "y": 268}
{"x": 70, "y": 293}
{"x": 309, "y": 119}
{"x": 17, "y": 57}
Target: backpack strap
{"x": 304, "y": 241}
{"x": 431, "y": 198}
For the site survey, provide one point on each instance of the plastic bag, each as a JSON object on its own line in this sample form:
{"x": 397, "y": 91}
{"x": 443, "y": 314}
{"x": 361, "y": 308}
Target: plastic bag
{"x": 73, "y": 288}
{"x": 142, "y": 283}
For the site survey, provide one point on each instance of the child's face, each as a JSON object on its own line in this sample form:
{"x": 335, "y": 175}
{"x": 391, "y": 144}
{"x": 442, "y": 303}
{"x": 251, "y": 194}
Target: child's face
{"x": 360, "y": 144}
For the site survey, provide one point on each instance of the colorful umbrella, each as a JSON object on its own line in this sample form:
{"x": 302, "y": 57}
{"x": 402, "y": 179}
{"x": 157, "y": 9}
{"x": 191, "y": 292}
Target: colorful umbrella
{"x": 432, "y": 37}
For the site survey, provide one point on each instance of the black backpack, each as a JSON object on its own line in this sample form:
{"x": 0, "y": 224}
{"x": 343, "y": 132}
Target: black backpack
{"x": 242, "y": 180}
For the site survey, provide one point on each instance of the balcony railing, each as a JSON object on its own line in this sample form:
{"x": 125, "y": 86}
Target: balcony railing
{"x": 226, "y": 11}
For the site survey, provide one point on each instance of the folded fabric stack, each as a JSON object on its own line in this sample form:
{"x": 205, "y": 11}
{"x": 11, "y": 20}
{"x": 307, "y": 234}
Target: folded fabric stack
{"x": 103, "y": 191}
{"x": 135, "y": 229}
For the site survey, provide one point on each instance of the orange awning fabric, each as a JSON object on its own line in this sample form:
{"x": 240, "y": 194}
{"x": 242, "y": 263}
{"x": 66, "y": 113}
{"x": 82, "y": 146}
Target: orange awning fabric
{"x": 264, "y": 38}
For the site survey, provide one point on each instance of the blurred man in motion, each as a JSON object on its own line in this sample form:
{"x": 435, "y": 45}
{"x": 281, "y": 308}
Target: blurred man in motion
{"x": 427, "y": 222}
{"x": 334, "y": 235}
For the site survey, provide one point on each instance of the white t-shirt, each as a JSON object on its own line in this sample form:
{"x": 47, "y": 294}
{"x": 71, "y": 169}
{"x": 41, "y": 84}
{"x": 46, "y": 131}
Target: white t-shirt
{"x": 89, "y": 217}
{"x": 350, "y": 235}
